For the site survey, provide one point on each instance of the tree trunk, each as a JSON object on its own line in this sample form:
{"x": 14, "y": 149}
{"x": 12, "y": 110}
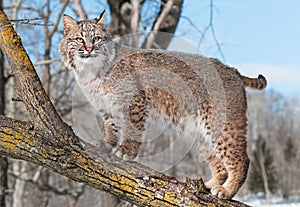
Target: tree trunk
{"x": 19, "y": 168}
{"x": 125, "y": 20}
{"x": 166, "y": 22}
{"x": 265, "y": 177}
{"x": 120, "y": 11}
{"x": 3, "y": 180}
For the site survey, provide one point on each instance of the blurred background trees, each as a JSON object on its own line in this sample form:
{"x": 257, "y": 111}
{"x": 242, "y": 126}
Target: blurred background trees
{"x": 274, "y": 132}
{"x": 273, "y": 143}
{"x": 262, "y": 176}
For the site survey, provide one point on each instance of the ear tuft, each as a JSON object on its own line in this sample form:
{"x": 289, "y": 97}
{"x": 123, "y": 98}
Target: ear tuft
{"x": 69, "y": 23}
{"x": 100, "y": 19}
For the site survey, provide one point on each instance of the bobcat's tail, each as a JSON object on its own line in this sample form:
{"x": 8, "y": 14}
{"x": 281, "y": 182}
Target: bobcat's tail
{"x": 258, "y": 83}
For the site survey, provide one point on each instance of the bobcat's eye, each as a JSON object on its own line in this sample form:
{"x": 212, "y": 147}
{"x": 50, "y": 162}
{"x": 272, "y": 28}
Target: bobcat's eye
{"x": 79, "y": 39}
{"x": 96, "y": 39}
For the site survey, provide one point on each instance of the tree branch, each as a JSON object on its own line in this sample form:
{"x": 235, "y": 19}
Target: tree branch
{"x": 164, "y": 12}
{"x": 128, "y": 180}
{"x": 82, "y": 14}
{"x": 38, "y": 105}
{"x": 45, "y": 62}
{"x": 47, "y": 141}
{"x": 59, "y": 14}
{"x": 135, "y": 16}
{"x": 212, "y": 29}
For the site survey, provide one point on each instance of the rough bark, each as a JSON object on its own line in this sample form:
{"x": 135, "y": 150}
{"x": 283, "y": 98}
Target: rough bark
{"x": 48, "y": 141}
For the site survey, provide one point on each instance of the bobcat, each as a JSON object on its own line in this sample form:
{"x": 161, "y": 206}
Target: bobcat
{"x": 135, "y": 88}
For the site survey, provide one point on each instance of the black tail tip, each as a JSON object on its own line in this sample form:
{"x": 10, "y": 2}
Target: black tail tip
{"x": 263, "y": 81}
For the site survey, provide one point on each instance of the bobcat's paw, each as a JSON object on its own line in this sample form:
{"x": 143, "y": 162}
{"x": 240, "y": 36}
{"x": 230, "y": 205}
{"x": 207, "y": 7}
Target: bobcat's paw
{"x": 128, "y": 149}
{"x": 221, "y": 192}
{"x": 110, "y": 147}
{"x": 121, "y": 154}
{"x": 211, "y": 184}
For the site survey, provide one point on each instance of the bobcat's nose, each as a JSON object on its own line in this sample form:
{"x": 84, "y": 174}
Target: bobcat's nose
{"x": 89, "y": 49}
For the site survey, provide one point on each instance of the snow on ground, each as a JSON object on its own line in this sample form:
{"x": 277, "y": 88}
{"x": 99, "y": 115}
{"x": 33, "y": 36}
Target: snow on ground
{"x": 276, "y": 201}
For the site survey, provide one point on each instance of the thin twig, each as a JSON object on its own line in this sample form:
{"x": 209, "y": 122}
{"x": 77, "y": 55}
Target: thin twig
{"x": 45, "y": 62}
{"x": 59, "y": 14}
{"x": 25, "y": 21}
{"x": 210, "y": 27}
{"x": 82, "y": 14}
{"x": 191, "y": 23}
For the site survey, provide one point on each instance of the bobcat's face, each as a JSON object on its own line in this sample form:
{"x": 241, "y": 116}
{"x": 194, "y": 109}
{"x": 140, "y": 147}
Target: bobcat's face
{"x": 85, "y": 42}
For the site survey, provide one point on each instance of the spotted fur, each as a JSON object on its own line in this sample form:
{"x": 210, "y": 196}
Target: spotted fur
{"x": 134, "y": 88}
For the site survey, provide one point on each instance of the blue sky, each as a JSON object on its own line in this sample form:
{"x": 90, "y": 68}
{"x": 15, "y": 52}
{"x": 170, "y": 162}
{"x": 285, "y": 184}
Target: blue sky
{"x": 256, "y": 37}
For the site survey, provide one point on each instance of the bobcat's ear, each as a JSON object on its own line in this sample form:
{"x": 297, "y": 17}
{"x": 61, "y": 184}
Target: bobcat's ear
{"x": 69, "y": 23}
{"x": 100, "y": 19}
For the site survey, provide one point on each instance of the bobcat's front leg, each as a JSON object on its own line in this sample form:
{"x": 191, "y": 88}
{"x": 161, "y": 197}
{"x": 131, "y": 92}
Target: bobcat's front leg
{"x": 133, "y": 127}
{"x": 111, "y": 131}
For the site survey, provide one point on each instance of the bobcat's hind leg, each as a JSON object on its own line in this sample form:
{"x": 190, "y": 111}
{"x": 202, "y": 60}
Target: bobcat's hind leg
{"x": 234, "y": 157}
{"x": 219, "y": 173}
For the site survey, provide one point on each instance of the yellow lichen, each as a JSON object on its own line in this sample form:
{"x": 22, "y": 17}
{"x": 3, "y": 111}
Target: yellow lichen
{"x": 170, "y": 197}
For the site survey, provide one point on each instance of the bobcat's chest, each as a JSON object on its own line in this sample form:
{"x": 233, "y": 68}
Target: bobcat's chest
{"x": 105, "y": 102}
{"x": 99, "y": 95}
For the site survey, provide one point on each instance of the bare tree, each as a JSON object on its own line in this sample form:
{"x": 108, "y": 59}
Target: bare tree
{"x": 275, "y": 117}
{"x": 48, "y": 38}
{"x": 126, "y": 19}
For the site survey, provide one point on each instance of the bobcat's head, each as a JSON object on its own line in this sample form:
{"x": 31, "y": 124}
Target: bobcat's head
{"x": 86, "y": 42}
